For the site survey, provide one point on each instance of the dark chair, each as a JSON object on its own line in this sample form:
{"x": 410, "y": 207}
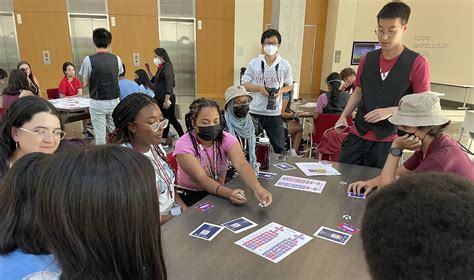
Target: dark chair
{"x": 53, "y": 93}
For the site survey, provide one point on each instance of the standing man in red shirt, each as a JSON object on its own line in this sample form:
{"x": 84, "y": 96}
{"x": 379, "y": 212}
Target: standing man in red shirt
{"x": 383, "y": 78}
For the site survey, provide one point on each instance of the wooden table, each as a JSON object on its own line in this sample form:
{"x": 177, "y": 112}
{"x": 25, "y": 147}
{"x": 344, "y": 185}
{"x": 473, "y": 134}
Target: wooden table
{"x": 187, "y": 257}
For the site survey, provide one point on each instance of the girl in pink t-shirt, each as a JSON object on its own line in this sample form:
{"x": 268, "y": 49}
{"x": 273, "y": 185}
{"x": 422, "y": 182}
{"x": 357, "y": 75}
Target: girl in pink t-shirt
{"x": 203, "y": 154}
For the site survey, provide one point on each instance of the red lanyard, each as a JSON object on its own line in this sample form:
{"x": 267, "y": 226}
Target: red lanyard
{"x": 162, "y": 172}
{"x": 208, "y": 160}
{"x": 73, "y": 89}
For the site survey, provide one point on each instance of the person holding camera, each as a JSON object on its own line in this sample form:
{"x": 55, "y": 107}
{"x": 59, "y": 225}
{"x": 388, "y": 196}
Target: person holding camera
{"x": 267, "y": 77}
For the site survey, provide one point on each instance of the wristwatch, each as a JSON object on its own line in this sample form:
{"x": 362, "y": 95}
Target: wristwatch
{"x": 396, "y": 152}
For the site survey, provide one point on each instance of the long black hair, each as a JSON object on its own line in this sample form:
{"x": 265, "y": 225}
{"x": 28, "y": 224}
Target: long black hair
{"x": 162, "y": 53}
{"x": 143, "y": 79}
{"x": 20, "y": 112}
{"x": 334, "y": 81}
{"x": 17, "y": 81}
{"x": 19, "y": 225}
{"x": 99, "y": 214}
{"x": 194, "y": 110}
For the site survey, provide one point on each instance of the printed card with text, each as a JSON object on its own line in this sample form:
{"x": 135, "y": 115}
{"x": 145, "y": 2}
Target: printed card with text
{"x": 206, "y": 231}
{"x": 239, "y": 225}
{"x": 332, "y": 235}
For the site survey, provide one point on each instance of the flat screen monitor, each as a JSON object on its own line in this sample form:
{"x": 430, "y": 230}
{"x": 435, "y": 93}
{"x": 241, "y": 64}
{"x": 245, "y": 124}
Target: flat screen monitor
{"x": 359, "y": 49}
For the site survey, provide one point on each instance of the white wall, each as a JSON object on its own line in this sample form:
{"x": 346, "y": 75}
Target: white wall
{"x": 247, "y": 33}
{"x": 340, "y": 28}
{"x": 355, "y": 20}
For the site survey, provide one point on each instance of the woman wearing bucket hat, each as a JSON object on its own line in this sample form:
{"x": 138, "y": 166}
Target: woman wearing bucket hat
{"x": 239, "y": 122}
{"x": 421, "y": 125}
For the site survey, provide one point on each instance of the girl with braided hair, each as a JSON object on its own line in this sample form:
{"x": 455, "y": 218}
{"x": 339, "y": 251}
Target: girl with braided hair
{"x": 139, "y": 125}
{"x": 203, "y": 154}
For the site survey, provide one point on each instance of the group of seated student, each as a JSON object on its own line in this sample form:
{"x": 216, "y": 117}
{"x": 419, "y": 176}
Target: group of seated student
{"x": 421, "y": 124}
{"x": 55, "y": 222}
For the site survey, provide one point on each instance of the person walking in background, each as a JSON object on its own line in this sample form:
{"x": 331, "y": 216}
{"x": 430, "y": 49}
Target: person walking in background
{"x": 163, "y": 84}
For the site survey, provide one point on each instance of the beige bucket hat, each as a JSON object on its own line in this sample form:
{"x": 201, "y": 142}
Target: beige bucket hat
{"x": 235, "y": 91}
{"x": 419, "y": 109}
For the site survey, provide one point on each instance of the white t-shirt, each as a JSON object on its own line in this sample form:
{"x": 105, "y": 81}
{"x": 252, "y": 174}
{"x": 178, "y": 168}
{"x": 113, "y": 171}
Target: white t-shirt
{"x": 272, "y": 78}
{"x": 166, "y": 191}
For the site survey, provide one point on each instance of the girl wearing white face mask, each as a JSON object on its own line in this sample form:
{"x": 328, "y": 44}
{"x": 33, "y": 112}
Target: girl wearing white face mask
{"x": 163, "y": 84}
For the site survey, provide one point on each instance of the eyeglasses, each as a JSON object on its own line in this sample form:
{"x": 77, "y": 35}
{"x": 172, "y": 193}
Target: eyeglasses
{"x": 271, "y": 44}
{"x": 157, "y": 125}
{"x": 241, "y": 104}
{"x": 390, "y": 33}
{"x": 44, "y": 134}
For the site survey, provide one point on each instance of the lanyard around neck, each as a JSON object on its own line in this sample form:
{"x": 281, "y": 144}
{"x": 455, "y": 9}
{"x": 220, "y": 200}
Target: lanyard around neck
{"x": 214, "y": 174}
{"x": 164, "y": 176}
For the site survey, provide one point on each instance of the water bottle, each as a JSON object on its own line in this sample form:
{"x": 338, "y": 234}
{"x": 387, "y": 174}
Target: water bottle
{"x": 263, "y": 151}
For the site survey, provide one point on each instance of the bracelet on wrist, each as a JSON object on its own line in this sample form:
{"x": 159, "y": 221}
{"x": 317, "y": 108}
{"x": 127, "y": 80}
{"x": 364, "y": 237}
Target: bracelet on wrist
{"x": 217, "y": 190}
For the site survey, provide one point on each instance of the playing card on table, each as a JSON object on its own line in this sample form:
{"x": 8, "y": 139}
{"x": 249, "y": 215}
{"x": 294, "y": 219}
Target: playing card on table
{"x": 266, "y": 175}
{"x": 348, "y": 228}
{"x": 355, "y": 195}
{"x": 201, "y": 207}
{"x": 206, "y": 231}
{"x": 284, "y": 166}
{"x": 239, "y": 225}
{"x": 332, "y": 235}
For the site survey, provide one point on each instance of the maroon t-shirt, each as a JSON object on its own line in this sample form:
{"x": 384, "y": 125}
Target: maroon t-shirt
{"x": 444, "y": 154}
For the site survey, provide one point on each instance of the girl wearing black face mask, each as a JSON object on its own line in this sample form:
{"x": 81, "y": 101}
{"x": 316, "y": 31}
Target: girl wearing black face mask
{"x": 203, "y": 154}
{"x": 239, "y": 122}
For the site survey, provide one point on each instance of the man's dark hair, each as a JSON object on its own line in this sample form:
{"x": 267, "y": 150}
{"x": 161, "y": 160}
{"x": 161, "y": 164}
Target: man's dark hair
{"x": 270, "y": 33}
{"x": 3, "y": 74}
{"x": 421, "y": 226}
{"x": 101, "y": 37}
{"x": 435, "y": 130}
{"x": 124, "y": 71}
{"x": 394, "y": 10}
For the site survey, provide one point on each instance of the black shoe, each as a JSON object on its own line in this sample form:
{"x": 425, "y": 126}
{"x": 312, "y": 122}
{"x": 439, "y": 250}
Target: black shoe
{"x": 87, "y": 134}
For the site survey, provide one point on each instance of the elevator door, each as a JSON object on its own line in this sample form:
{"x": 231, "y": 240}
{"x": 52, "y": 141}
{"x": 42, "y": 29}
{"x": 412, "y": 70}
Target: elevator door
{"x": 8, "y": 44}
{"x": 177, "y": 38}
{"x": 81, "y": 27}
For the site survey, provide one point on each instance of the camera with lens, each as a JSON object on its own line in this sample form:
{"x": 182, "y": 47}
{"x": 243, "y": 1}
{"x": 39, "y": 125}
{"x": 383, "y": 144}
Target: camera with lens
{"x": 271, "y": 98}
